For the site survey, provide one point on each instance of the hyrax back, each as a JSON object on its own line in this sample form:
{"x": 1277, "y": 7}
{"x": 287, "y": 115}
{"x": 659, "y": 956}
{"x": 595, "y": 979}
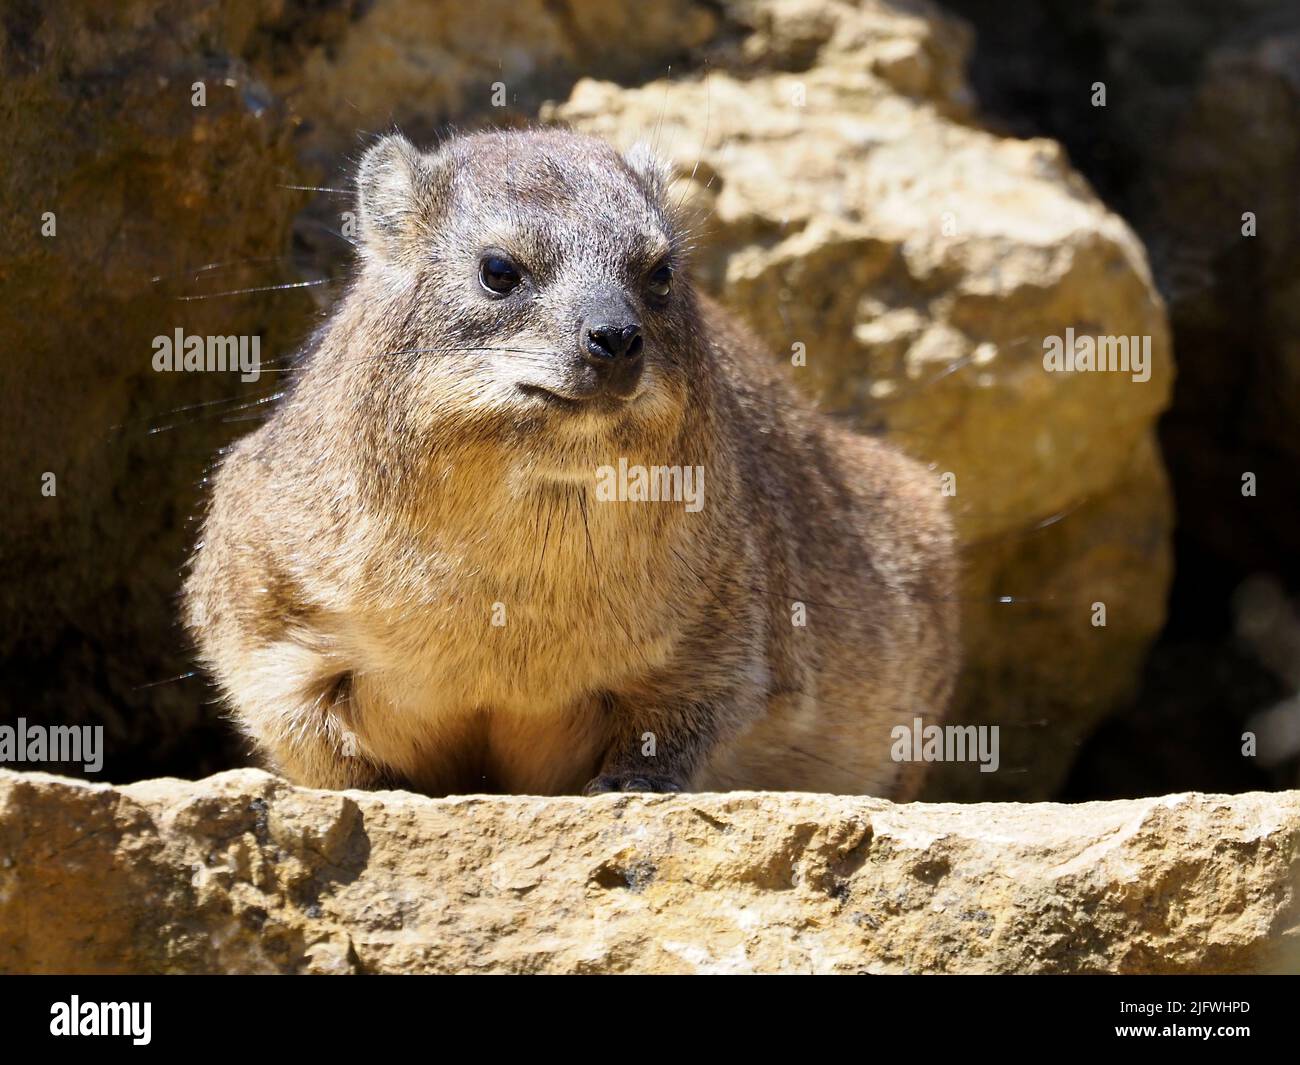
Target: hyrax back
{"x": 435, "y": 566}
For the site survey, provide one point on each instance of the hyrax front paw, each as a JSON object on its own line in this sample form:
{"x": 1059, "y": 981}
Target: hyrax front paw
{"x": 631, "y": 781}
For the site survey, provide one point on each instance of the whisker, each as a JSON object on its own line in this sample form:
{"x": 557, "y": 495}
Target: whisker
{"x": 219, "y": 266}
{"x": 259, "y": 288}
{"x": 167, "y": 680}
{"x": 185, "y": 409}
{"x": 315, "y": 188}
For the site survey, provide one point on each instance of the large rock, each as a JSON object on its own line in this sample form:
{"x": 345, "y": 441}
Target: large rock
{"x": 243, "y": 873}
{"x": 154, "y": 200}
{"x": 1218, "y": 205}
{"x": 1201, "y": 127}
{"x": 852, "y": 213}
{"x": 420, "y": 64}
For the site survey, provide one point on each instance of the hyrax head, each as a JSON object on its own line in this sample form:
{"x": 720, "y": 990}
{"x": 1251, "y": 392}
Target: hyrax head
{"x": 540, "y": 275}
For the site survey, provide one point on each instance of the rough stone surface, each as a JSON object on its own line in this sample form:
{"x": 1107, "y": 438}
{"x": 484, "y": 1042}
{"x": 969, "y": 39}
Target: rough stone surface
{"x": 1230, "y": 145}
{"x": 243, "y": 873}
{"x": 422, "y": 63}
{"x": 853, "y": 213}
{"x": 154, "y": 201}
{"x": 1201, "y": 126}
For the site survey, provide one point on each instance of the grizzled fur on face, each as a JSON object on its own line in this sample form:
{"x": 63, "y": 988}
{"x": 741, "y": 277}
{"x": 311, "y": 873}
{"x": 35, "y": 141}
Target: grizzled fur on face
{"x": 587, "y": 228}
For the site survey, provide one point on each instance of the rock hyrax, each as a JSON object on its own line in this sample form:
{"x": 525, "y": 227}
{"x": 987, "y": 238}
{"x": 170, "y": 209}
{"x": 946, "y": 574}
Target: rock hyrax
{"x": 447, "y": 561}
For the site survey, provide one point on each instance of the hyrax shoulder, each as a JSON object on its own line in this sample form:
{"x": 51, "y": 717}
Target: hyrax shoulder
{"x": 538, "y": 516}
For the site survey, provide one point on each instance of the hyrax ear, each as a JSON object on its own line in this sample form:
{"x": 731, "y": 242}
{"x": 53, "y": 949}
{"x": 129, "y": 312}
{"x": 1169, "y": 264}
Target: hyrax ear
{"x": 400, "y": 193}
{"x": 653, "y": 172}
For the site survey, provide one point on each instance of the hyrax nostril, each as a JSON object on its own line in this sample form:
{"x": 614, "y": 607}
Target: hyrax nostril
{"x": 613, "y": 341}
{"x": 615, "y": 354}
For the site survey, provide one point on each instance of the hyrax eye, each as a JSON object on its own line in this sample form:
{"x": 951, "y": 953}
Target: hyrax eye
{"x": 498, "y": 274}
{"x": 660, "y": 281}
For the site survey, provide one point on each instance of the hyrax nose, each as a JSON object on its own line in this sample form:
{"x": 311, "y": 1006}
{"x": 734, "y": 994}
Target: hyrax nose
{"x": 604, "y": 342}
{"x": 613, "y": 349}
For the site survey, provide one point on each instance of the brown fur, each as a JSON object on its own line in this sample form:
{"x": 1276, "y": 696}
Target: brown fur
{"x": 343, "y": 590}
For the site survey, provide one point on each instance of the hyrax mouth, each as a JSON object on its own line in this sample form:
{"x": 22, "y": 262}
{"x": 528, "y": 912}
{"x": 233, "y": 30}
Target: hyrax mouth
{"x": 597, "y": 401}
{"x": 554, "y": 399}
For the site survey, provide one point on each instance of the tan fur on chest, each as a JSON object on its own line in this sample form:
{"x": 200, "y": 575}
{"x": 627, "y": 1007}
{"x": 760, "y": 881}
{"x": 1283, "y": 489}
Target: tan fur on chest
{"x": 506, "y": 611}
{"x": 532, "y": 589}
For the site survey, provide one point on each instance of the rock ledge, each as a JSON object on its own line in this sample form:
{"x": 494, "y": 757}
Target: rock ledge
{"x": 242, "y": 872}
